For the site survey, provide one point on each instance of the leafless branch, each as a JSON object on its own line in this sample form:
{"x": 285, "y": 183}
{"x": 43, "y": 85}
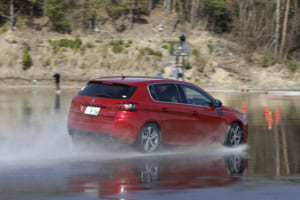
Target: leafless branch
{"x": 1, "y": 14}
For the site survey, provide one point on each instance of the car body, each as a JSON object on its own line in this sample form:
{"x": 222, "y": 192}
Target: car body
{"x": 151, "y": 111}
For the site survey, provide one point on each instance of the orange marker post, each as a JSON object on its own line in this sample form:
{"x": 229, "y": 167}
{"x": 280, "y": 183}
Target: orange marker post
{"x": 277, "y": 116}
{"x": 270, "y": 121}
{"x": 244, "y": 108}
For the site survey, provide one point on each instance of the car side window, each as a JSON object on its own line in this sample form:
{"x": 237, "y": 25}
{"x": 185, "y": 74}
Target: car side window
{"x": 195, "y": 96}
{"x": 166, "y": 92}
{"x": 153, "y": 92}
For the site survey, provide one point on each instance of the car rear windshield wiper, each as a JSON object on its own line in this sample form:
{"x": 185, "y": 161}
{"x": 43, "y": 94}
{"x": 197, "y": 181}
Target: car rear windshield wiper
{"x": 103, "y": 95}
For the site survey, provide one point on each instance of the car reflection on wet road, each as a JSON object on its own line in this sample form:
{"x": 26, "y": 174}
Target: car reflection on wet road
{"x": 37, "y": 161}
{"x": 186, "y": 171}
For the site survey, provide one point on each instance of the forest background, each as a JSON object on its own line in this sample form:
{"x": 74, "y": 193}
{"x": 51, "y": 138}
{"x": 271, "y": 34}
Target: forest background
{"x": 234, "y": 43}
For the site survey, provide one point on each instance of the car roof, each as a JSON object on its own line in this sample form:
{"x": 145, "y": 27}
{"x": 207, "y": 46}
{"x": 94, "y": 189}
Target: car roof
{"x": 132, "y": 80}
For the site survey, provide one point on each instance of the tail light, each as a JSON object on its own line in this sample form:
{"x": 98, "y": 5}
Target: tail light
{"x": 124, "y": 107}
{"x": 77, "y": 107}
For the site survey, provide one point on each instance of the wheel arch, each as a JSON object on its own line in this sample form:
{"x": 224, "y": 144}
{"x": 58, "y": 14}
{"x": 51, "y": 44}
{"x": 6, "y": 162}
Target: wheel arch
{"x": 239, "y": 123}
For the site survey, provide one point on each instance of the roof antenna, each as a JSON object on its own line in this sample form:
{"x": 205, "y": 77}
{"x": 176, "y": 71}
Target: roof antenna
{"x": 123, "y": 77}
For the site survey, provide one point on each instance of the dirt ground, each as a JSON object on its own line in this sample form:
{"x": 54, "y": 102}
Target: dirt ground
{"x": 214, "y": 62}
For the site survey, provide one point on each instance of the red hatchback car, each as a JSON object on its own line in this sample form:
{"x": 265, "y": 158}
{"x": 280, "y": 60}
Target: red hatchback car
{"x": 150, "y": 112}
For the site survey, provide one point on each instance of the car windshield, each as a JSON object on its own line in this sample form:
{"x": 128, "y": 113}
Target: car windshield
{"x": 104, "y": 90}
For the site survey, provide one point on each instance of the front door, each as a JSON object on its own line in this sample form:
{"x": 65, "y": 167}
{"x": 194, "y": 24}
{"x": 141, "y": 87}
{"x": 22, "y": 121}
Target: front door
{"x": 208, "y": 121}
{"x": 174, "y": 121}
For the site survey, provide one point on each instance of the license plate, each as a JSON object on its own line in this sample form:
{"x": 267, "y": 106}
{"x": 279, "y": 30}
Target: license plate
{"x": 91, "y": 110}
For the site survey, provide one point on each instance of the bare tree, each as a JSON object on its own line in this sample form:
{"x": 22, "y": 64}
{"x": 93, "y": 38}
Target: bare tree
{"x": 150, "y": 5}
{"x": 45, "y": 8}
{"x": 168, "y": 5}
{"x": 178, "y": 15}
{"x": 134, "y": 5}
{"x": 293, "y": 33}
{"x": 12, "y": 15}
{"x": 194, "y": 12}
{"x": 174, "y": 2}
{"x": 284, "y": 29}
{"x": 277, "y": 34}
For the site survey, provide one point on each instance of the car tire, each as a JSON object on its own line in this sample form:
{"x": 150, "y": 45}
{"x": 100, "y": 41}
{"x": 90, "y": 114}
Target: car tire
{"x": 234, "y": 135}
{"x": 234, "y": 165}
{"x": 149, "y": 171}
{"x": 149, "y": 138}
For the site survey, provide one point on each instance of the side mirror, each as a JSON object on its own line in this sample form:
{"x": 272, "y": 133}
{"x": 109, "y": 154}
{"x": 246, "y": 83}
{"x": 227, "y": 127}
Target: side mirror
{"x": 217, "y": 103}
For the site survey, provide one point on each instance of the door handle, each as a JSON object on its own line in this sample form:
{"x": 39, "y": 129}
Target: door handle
{"x": 195, "y": 113}
{"x": 165, "y": 110}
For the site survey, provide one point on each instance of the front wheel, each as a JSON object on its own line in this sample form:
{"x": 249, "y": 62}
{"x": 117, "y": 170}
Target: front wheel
{"x": 149, "y": 138}
{"x": 234, "y": 135}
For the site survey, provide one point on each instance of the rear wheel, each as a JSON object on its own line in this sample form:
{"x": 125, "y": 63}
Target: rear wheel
{"x": 149, "y": 138}
{"x": 234, "y": 135}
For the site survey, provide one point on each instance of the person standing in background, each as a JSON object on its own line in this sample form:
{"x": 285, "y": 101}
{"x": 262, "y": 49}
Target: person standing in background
{"x": 57, "y": 82}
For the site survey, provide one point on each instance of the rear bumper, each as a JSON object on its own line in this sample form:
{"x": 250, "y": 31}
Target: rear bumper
{"x": 93, "y": 136}
{"x": 124, "y": 130}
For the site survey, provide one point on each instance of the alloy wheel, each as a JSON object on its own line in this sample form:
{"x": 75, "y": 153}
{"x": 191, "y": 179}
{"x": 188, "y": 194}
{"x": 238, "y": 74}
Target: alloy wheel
{"x": 235, "y": 135}
{"x": 150, "y": 138}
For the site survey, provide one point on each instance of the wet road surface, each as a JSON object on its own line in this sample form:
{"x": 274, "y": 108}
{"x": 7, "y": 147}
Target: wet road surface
{"x": 38, "y": 162}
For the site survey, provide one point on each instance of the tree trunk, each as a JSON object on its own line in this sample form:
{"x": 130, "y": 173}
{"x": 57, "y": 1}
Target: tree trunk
{"x": 133, "y": 9}
{"x": 12, "y": 15}
{"x": 45, "y": 10}
{"x": 174, "y": 5}
{"x": 90, "y": 25}
{"x": 168, "y": 5}
{"x": 194, "y": 9}
{"x": 150, "y": 5}
{"x": 205, "y": 23}
{"x": 292, "y": 34}
{"x": 131, "y": 13}
{"x": 277, "y": 34}
{"x": 241, "y": 19}
{"x": 31, "y": 10}
{"x": 284, "y": 29}
{"x": 175, "y": 25}
{"x": 82, "y": 16}
{"x": 213, "y": 24}
{"x": 178, "y": 16}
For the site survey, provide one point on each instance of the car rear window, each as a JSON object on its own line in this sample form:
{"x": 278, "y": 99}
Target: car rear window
{"x": 104, "y": 90}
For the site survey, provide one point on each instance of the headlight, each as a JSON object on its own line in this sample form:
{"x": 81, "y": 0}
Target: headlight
{"x": 244, "y": 116}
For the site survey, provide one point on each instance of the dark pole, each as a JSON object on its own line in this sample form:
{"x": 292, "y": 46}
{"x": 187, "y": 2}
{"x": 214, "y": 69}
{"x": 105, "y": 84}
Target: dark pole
{"x": 182, "y": 41}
